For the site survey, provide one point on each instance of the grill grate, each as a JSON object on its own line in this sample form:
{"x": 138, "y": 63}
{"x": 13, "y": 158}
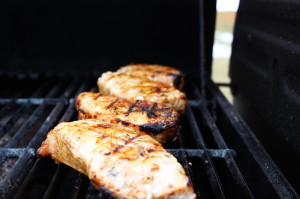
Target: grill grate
{"x": 214, "y": 146}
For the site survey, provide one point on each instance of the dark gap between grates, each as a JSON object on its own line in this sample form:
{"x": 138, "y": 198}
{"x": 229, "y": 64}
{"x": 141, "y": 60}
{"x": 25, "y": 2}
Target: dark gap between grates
{"x": 24, "y": 141}
{"x": 230, "y": 187}
{"x": 15, "y": 123}
{"x": 10, "y": 117}
{"x": 37, "y": 182}
{"x": 204, "y": 128}
{"x": 6, "y": 110}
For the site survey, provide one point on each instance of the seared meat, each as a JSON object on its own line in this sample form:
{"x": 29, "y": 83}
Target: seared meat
{"x": 140, "y": 88}
{"x": 157, "y": 120}
{"x": 128, "y": 164}
{"x": 166, "y": 74}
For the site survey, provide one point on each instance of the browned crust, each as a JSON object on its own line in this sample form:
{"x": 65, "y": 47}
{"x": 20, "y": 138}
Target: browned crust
{"x": 162, "y": 122}
{"x": 60, "y": 144}
{"x": 120, "y": 85}
{"x": 160, "y": 73}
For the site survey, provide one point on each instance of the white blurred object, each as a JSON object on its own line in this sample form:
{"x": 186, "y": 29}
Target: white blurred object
{"x": 222, "y": 46}
{"x": 227, "y": 5}
{"x": 224, "y": 37}
{"x": 221, "y": 50}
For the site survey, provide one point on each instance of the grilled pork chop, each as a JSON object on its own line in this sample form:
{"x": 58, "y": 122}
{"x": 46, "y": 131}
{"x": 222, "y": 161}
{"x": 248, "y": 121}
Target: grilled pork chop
{"x": 157, "y": 120}
{"x": 127, "y": 164}
{"x": 166, "y": 74}
{"x": 140, "y": 88}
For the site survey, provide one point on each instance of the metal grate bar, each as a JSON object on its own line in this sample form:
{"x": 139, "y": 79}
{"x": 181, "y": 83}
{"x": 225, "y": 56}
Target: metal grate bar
{"x": 208, "y": 120}
{"x": 276, "y": 178}
{"x": 53, "y": 187}
{"x": 14, "y": 179}
{"x": 195, "y": 103}
{"x": 27, "y": 167}
{"x": 214, "y": 178}
{"x": 84, "y": 85}
{"x": 234, "y": 170}
{"x": 72, "y": 87}
{"x": 13, "y": 119}
{"x": 24, "y": 163}
{"x": 35, "y": 101}
{"x": 56, "y": 88}
{"x": 209, "y": 166}
{"x": 30, "y": 121}
{"x": 195, "y": 129}
{"x": 188, "y": 169}
{"x": 40, "y": 135}
{"x": 34, "y": 117}
{"x": 28, "y": 181}
{"x": 41, "y": 88}
{"x": 8, "y": 105}
{"x": 69, "y": 112}
{"x": 215, "y": 153}
{"x": 236, "y": 173}
{"x": 48, "y": 123}
{"x": 13, "y": 153}
{"x": 81, "y": 186}
{"x": 183, "y": 156}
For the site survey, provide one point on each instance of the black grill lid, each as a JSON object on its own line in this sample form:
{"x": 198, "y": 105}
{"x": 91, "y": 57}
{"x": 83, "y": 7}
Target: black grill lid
{"x": 105, "y": 33}
{"x": 266, "y": 74}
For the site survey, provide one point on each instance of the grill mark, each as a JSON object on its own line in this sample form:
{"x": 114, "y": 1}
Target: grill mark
{"x": 105, "y": 135}
{"x": 163, "y": 109}
{"x": 131, "y": 139}
{"x": 97, "y": 96}
{"x": 104, "y": 125}
{"x": 130, "y": 109}
{"x": 118, "y": 148}
{"x": 156, "y": 89}
{"x": 126, "y": 142}
{"x": 111, "y": 104}
{"x": 126, "y": 123}
{"x": 151, "y": 150}
{"x": 150, "y": 113}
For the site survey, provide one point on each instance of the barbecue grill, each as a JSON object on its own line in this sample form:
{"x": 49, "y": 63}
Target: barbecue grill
{"x": 51, "y": 51}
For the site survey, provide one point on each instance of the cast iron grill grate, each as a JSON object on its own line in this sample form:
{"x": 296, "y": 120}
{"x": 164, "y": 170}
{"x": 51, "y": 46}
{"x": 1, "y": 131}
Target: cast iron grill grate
{"x": 219, "y": 153}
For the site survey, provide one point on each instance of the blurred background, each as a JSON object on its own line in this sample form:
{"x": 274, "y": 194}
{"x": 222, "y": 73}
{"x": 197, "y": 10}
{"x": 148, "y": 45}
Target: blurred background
{"x": 226, "y": 13}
